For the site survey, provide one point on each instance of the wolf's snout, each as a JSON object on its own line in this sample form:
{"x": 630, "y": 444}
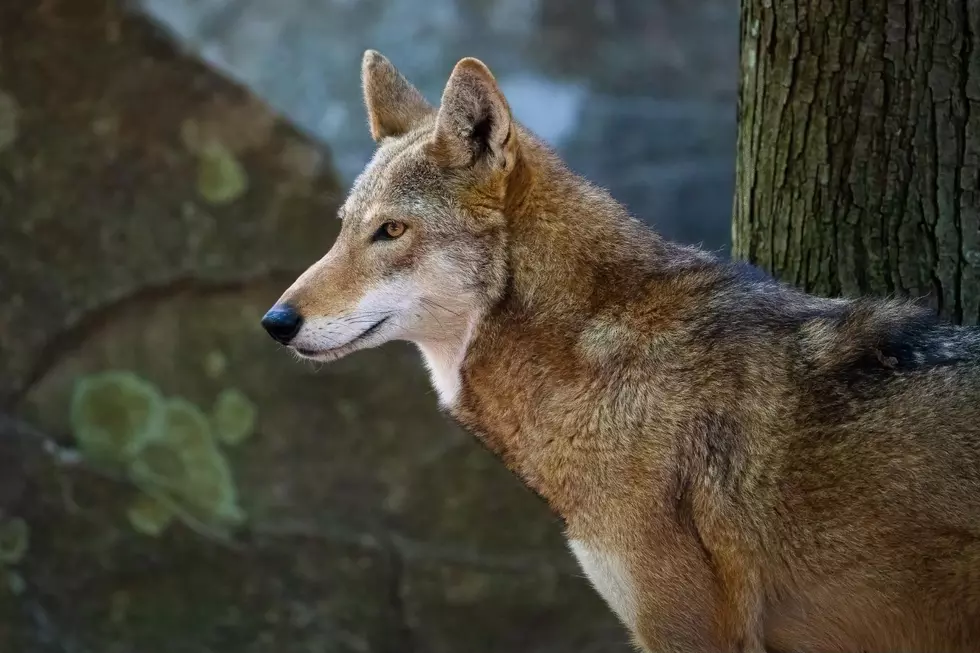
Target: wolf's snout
{"x": 282, "y": 322}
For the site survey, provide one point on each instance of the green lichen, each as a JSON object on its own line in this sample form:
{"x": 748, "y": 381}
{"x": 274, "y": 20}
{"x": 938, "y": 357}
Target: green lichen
{"x": 215, "y": 364}
{"x": 221, "y": 178}
{"x": 15, "y": 583}
{"x": 149, "y": 516}
{"x": 8, "y": 120}
{"x": 167, "y": 447}
{"x": 186, "y": 464}
{"x": 232, "y": 417}
{"x": 190, "y": 135}
{"x": 114, "y": 414}
{"x": 15, "y": 539}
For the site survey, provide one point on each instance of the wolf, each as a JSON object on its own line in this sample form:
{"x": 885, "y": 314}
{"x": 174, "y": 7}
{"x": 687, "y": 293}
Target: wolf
{"x": 739, "y": 465}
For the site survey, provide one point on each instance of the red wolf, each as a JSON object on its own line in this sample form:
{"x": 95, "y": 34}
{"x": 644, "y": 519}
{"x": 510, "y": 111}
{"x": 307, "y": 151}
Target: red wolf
{"x": 740, "y": 466}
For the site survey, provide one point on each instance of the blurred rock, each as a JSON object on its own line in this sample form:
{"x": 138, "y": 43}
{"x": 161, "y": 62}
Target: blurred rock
{"x": 99, "y": 191}
{"x": 369, "y": 524}
{"x": 637, "y": 94}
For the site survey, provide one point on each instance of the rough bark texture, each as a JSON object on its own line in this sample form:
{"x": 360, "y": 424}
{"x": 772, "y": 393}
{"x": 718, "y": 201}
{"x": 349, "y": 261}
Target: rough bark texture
{"x": 859, "y": 146}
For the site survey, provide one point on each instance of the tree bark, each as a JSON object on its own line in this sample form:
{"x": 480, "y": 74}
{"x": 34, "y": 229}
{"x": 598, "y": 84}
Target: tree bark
{"x": 858, "y": 148}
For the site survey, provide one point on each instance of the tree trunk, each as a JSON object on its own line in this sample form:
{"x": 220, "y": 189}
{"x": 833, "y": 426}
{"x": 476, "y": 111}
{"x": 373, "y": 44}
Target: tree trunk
{"x": 859, "y": 146}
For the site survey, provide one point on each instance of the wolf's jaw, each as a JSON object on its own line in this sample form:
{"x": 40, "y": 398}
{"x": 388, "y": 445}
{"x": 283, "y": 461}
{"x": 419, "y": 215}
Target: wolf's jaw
{"x": 335, "y": 353}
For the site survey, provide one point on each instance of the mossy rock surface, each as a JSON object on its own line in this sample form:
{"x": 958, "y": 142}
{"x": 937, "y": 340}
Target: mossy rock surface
{"x": 372, "y": 524}
{"x": 114, "y": 415}
{"x": 100, "y": 191}
{"x": 232, "y": 417}
{"x": 184, "y": 468}
{"x": 15, "y": 540}
{"x": 149, "y": 516}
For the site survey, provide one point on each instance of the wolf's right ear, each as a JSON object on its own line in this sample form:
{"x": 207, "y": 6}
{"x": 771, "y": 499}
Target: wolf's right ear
{"x": 393, "y": 105}
{"x": 474, "y": 124}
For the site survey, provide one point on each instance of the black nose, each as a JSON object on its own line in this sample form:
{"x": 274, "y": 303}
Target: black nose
{"x": 282, "y": 323}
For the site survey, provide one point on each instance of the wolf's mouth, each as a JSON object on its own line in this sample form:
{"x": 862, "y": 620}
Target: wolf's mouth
{"x": 371, "y": 329}
{"x": 364, "y": 334}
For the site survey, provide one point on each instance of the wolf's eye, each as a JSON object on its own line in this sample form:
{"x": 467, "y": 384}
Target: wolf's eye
{"x": 389, "y": 230}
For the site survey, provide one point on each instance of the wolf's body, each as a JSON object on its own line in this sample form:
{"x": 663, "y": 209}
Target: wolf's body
{"x": 740, "y": 466}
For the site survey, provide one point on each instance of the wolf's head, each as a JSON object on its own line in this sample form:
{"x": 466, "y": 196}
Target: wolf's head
{"x": 422, "y": 248}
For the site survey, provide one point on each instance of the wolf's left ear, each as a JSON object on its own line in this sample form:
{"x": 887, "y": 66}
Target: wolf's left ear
{"x": 474, "y": 124}
{"x": 393, "y": 105}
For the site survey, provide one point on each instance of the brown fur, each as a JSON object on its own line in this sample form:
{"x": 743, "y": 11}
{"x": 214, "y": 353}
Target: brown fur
{"x": 773, "y": 470}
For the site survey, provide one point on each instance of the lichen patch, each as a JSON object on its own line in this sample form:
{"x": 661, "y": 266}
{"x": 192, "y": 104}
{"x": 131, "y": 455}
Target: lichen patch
{"x": 14, "y": 540}
{"x": 221, "y": 177}
{"x": 232, "y": 417}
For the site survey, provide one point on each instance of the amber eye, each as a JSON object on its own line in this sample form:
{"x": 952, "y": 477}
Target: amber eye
{"x": 390, "y": 230}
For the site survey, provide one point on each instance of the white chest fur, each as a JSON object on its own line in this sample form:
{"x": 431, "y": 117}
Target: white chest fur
{"x": 443, "y": 364}
{"x": 610, "y": 577}
{"x": 444, "y": 360}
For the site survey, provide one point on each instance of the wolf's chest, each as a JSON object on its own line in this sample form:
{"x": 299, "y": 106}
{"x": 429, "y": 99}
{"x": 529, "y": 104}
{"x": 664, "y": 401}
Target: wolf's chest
{"x": 611, "y": 578}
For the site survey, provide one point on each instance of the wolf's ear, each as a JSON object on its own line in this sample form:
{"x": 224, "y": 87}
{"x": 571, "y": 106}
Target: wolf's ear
{"x": 474, "y": 122}
{"x": 393, "y": 105}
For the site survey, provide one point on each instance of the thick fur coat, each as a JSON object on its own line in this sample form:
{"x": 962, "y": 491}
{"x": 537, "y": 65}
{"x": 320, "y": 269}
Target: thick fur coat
{"x": 740, "y": 466}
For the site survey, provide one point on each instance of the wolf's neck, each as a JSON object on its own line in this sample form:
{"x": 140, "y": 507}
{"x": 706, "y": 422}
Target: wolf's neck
{"x": 562, "y": 229}
{"x": 571, "y": 244}
{"x": 540, "y": 380}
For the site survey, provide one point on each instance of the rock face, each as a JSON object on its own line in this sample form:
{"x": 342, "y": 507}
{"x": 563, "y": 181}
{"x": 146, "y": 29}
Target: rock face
{"x": 169, "y": 479}
{"x": 637, "y": 94}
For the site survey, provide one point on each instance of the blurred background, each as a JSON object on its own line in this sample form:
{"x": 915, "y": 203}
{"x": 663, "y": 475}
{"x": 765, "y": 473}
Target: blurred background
{"x": 170, "y": 480}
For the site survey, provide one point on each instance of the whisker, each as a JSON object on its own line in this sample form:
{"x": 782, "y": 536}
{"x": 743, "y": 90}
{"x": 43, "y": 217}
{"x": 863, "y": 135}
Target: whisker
{"x": 440, "y": 306}
{"x": 433, "y": 315}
